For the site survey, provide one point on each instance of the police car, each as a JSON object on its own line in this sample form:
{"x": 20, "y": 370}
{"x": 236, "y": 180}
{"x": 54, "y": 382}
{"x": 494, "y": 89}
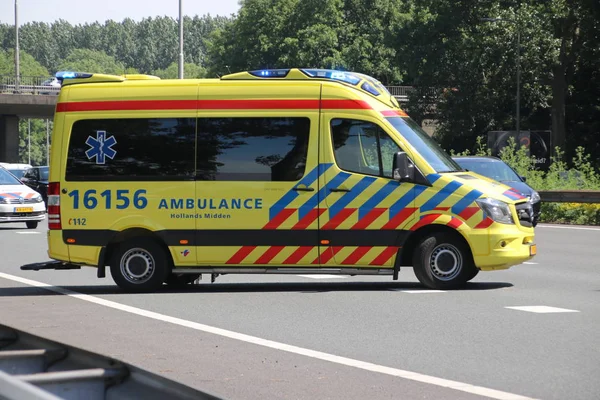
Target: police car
{"x": 18, "y": 202}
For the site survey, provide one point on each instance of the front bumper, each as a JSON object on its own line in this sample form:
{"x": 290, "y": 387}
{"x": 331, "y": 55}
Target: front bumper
{"x": 508, "y": 245}
{"x": 23, "y": 217}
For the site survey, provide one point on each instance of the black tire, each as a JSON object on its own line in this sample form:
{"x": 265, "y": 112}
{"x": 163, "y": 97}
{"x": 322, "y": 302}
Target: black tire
{"x": 140, "y": 265}
{"x": 443, "y": 261}
{"x": 31, "y": 224}
{"x": 180, "y": 280}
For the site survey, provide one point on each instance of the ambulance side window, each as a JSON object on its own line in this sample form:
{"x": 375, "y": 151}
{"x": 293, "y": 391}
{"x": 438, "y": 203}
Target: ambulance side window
{"x": 131, "y": 149}
{"x": 362, "y": 147}
{"x": 252, "y": 149}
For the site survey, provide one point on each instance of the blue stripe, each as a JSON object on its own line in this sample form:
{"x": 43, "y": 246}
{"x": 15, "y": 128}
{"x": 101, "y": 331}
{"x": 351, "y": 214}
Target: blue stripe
{"x": 377, "y": 198}
{"x": 440, "y": 196}
{"x": 406, "y": 200}
{"x": 322, "y": 194}
{"x": 511, "y": 195}
{"x": 433, "y": 177}
{"x": 287, "y": 198}
{"x": 351, "y": 195}
{"x": 465, "y": 201}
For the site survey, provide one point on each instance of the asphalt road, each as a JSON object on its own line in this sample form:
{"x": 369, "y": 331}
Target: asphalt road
{"x": 298, "y": 337}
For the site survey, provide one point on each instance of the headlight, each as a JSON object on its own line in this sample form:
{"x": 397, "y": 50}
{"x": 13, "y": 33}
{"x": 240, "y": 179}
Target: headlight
{"x": 497, "y": 210}
{"x": 3, "y": 200}
{"x": 38, "y": 199}
{"x": 535, "y": 197}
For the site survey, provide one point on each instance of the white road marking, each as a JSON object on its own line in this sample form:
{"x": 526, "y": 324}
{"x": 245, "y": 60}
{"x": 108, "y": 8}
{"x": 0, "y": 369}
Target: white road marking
{"x": 421, "y": 291}
{"x": 317, "y": 276}
{"x": 568, "y": 227}
{"x": 367, "y": 366}
{"x": 542, "y": 309}
{"x": 530, "y": 263}
{"x": 28, "y": 233}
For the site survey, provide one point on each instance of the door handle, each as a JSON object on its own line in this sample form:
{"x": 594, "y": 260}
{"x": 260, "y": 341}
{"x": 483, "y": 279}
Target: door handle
{"x": 303, "y": 189}
{"x": 338, "y": 189}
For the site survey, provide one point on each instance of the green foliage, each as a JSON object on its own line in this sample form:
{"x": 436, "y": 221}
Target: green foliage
{"x": 32, "y": 147}
{"x": 86, "y": 60}
{"x": 28, "y": 66}
{"x": 189, "y": 71}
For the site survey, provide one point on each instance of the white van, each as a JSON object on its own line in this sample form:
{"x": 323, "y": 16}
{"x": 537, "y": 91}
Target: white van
{"x": 18, "y": 202}
{"x": 17, "y": 170}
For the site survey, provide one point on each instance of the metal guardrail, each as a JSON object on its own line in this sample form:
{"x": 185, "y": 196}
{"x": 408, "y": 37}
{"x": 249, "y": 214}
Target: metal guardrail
{"x": 570, "y": 196}
{"x": 35, "y": 368}
{"x": 27, "y": 85}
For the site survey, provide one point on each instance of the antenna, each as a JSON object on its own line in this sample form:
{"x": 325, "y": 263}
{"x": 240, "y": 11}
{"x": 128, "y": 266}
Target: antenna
{"x": 227, "y": 66}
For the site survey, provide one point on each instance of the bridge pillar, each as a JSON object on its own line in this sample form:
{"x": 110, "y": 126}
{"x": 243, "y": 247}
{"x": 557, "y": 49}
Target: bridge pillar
{"x": 9, "y": 138}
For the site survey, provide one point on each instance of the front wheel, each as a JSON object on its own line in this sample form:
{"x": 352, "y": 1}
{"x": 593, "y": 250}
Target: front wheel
{"x": 443, "y": 261}
{"x": 140, "y": 265}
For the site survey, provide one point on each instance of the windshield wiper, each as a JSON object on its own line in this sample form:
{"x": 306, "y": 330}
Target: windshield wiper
{"x": 451, "y": 171}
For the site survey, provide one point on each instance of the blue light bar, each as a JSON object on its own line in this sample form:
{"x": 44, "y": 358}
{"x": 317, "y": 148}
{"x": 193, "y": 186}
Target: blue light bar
{"x": 333, "y": 74}
{"x": 367, "y": 87}
{"x": 61, "y": 75}
{"x": 270, "y": 73}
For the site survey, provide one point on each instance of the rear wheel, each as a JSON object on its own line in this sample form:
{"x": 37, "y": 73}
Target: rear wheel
{"x": 31, "y": 224}
{"x": 443, "y": 261}
{"x": 140, "y": 265}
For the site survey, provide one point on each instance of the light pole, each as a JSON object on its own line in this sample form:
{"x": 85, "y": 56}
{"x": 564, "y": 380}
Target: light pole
{"x": 518, "y": 61}
{"x": 17, "y": 66}
{"x": 180, "y": 39}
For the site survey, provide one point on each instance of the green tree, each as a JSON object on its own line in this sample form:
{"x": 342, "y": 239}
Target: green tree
{"x": 28, "y": 66}
{"x": 32, "y": 141}
{"x": 189, "y": 71}
{"x": 84, "y": 60}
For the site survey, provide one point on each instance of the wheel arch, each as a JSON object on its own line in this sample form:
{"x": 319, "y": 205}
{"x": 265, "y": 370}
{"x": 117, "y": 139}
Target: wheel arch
{"x": 409, "y": 246}
{"x": 125, "y": 235}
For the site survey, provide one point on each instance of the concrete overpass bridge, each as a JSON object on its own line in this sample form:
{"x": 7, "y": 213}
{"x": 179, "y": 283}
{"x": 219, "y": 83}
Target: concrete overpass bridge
{"x": 30, "y": 98}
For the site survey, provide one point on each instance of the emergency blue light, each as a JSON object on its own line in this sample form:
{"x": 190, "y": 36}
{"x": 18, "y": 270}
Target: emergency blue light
{"x": 270, "y": 73}
{"x": 333, "y": 74}
{"x": 72, "y": 75}
{"x": 367, "y": 87}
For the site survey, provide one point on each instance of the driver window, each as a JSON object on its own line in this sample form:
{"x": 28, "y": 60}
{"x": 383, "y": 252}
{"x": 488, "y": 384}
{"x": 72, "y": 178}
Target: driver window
{"x": 362, "y": 147}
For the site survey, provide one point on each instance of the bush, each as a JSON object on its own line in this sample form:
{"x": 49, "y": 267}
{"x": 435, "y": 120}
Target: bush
{"x": 582, "y": 176}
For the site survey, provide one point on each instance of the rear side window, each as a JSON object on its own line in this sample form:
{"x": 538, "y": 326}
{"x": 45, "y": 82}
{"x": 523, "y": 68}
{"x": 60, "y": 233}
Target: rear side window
{"x": 252, "y": 149}
{"x": 135, "y": 149}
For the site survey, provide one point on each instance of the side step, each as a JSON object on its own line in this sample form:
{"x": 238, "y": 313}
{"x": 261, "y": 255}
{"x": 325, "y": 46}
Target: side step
{"x": 49, "y": 265}
{"x": 35, "y": 368}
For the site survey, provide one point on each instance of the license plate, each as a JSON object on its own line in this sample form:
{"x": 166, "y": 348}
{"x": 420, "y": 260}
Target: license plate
{"x": 533, "y": 250}
{"x": 23, "y": 209}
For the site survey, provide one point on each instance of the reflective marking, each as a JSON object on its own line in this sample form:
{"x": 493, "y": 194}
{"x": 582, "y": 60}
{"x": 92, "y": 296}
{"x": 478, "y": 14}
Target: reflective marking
{"x": 322, "y": 193}
{"x": 442, "y": 195}
{"x": 377, "y": 198}
{"x": 349, "y": 196}
{"x": 318, "y": 355}
{"x": 405, "y": 200}
{"x": 542, "y": 309}
{"x": 466, "y": 201}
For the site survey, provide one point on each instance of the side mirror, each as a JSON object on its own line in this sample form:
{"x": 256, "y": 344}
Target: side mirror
{"x": 523, "y": 178}
{"x": 403, "y": 169}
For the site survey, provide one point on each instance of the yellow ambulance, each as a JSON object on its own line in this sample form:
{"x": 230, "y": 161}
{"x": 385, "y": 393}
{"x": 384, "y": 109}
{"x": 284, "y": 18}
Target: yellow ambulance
{"x": 284, "y": 171}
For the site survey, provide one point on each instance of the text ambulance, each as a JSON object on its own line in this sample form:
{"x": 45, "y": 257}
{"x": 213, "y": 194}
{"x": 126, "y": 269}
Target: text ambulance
{"x": 283, "y": 171}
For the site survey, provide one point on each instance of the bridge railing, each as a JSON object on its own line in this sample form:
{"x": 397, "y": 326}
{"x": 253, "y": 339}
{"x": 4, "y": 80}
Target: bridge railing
{"x": 27, "y": 85}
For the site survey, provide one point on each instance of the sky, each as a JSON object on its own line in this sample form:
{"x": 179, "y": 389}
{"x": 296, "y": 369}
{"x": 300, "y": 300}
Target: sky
{"x": 82, "y": 11}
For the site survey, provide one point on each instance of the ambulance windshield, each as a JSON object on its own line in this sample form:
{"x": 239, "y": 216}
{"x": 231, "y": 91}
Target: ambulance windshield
{"x": 428, "y": 148}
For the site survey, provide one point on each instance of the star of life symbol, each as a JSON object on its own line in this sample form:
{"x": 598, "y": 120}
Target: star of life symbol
{"x": 101, "y": 147}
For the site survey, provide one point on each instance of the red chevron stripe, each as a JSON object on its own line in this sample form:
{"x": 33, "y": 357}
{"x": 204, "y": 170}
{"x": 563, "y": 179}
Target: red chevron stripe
{"x": 328, "y": 254}
{"x": 240, "y": 255}
{"x": 356, "y": 255}
{"x": 339, "y": 218}
{"x": 297, "y": 255}
{"x": 309, "y": 218}
{"x": 426, "y": 220}
{"x": 385, "y": 255}
{"x": 485, "y": 223}
{"x": 399, "y": 218}
{"x": 468, "y": 212}
{"x": 280, "y": 218}
{"x": 368, "y": 219}
{"x": 441, "y": 208}
{"x": 269, "y": 254}
{"x": 454, "y": 223}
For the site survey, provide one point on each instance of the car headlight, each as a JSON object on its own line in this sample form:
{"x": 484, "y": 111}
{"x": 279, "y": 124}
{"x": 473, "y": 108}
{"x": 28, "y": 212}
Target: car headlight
{"x": 38, "y": 199}
{"x": 535, "y": 197}
{"x": 3, "y": 200}
{"x": 497, "y": 210}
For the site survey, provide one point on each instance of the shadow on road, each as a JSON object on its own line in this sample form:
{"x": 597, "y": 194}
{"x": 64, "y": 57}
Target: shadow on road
{"x": 272, "y": 287}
